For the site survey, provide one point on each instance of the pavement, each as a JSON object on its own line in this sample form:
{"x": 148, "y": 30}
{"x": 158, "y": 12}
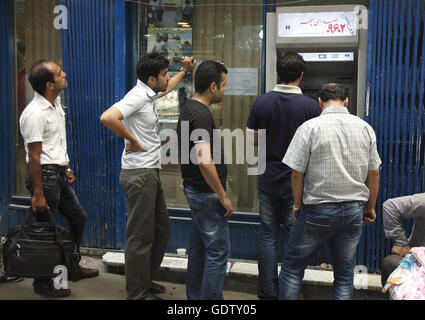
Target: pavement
{"x": 109, "y": 285}
{"x": 242, "y": 278}
{"x": 241, "y": 282}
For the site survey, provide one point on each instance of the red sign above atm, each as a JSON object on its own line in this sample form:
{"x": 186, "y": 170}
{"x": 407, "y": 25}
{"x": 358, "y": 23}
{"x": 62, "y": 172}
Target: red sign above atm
{"x": 317, "y": 24}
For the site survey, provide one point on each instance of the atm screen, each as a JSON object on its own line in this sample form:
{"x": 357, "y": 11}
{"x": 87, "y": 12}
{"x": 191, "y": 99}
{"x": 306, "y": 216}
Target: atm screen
{"x": 327, "y": 56}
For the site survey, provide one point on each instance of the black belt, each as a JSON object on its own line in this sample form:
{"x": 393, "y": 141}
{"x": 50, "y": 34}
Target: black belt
{"x": 55, "y": 167}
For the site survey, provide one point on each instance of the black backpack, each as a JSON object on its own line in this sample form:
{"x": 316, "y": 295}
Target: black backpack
{"x": 34, "y": 249}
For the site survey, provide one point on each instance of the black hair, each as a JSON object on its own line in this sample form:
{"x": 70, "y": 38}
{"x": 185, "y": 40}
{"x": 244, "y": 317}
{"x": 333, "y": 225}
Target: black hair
{"x": 150, "y": 65}
{"x": 208, "y": 72}
{"x": 39, "y": 76}
{"x": 333, "y": 91}
{"x": 289, "y": 66}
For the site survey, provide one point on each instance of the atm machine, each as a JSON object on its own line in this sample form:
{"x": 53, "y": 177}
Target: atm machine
{"x": 331, "y": 39}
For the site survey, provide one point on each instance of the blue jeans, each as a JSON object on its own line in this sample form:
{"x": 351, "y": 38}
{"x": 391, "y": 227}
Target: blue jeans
{"x": 275, "y": 209}
{"x": 209, "y": 247}
{"x": 339, "y": 223}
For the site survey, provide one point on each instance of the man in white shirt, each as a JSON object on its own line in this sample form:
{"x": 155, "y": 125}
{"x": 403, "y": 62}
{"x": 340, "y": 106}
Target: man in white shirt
{"x": 49, "y": 176}
{"x": 135, "y": 119}
{"x": 335, "y": 169}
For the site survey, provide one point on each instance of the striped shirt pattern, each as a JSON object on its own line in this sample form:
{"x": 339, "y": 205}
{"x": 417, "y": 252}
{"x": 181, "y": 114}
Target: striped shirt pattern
{"x": 335, "y": 151}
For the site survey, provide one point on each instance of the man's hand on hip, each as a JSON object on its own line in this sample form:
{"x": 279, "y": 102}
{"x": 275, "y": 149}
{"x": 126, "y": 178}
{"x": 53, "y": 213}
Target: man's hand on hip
{"x": 71, "y": 177}
{"x": 134, "y": 146}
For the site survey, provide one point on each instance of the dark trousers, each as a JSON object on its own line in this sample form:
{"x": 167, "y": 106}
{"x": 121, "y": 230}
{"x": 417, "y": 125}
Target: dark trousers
{"x": 388, "y": 265}
{"x": 60, "y": 197}
{"x": 275, "y": 209}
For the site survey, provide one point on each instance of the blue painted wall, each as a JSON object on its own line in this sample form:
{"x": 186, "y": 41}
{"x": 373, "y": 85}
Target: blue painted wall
{"x": 395, "y": 108}
{"x": 6, "y": 110}
{"x": 94, "y": 59}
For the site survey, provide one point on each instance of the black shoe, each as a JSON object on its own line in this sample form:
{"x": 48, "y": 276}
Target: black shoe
{"x": 50, "y": 291}
{"x": 157, "y": 288}
{"x": 4, "y": 279}
{"x": 152, "y": 297}
{"x": 88, "y": 273}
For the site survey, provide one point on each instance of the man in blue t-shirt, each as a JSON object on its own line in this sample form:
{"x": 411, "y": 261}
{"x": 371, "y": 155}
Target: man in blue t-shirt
{"x": 280, "y": 112}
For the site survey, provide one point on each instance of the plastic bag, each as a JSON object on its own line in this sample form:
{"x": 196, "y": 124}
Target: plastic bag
{"x": 407, "y": 281}
{"x": 418, "y": 254}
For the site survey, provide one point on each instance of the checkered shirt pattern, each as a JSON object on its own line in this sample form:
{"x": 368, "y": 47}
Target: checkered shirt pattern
{"x": 335, "y": 151}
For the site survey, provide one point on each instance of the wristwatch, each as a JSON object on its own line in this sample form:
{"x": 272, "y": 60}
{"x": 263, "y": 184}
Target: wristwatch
{"x": 184, "y": 70}
{"x": 69, "y": 170}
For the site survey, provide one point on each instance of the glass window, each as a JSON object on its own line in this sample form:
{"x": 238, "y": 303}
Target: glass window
{"x": 230, "y": 33}
{"x": 36, "y": 38}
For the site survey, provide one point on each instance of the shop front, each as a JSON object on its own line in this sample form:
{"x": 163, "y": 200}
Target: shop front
{"x": 98, "y": 43}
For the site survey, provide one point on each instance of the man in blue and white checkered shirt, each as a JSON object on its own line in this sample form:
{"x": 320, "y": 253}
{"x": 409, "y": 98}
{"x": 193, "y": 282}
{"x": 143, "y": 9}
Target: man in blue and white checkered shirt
{"x": 335, "y": 182}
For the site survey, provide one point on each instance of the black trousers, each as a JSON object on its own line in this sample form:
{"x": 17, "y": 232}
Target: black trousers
{"x": 388, "y": 265}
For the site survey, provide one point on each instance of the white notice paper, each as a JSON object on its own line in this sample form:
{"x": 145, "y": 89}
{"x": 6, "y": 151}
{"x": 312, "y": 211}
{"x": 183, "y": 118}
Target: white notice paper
{"x": 242, "y": 82}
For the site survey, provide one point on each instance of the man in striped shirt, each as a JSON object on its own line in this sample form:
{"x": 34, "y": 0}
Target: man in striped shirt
{"x": 335, "y": 182}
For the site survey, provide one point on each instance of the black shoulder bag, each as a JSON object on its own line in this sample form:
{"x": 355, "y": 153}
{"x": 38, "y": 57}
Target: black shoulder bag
{"x": 37, "y": 249}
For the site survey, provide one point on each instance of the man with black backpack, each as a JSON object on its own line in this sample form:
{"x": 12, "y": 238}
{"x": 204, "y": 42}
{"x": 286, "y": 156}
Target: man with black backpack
{"x": 49, "y": 176}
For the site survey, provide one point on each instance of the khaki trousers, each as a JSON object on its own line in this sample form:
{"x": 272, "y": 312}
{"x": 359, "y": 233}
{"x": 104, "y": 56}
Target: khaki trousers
{"x": 148, "y": 229}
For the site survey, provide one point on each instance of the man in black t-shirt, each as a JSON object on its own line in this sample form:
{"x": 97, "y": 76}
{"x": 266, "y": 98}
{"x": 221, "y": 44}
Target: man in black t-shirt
{"x": 204, "y": 178}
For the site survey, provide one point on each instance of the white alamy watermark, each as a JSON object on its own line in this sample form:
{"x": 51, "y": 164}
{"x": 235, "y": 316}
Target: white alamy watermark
{"x": 60, "y": 21}
{"x": 61, "y": 281}
{"x": 360, "y": 277}
{"x": 224, "y": 151}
